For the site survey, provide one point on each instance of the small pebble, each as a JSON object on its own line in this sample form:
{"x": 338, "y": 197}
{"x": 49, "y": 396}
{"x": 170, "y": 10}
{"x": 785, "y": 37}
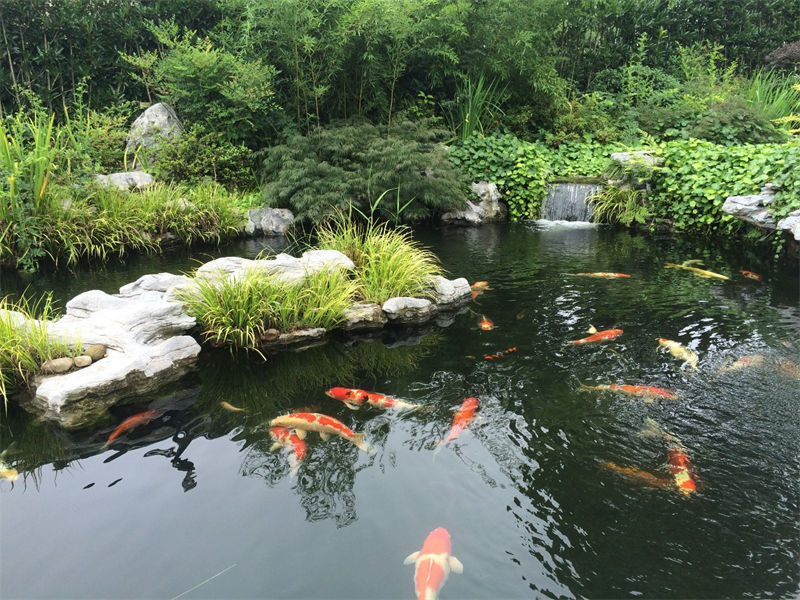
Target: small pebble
{"x": 82, "y": 361}
{"x": 95, "y": 352}
{"x": 56, "y": 365}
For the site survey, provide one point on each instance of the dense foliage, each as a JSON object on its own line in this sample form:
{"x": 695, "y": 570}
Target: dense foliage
{"x": 339, "y": 167}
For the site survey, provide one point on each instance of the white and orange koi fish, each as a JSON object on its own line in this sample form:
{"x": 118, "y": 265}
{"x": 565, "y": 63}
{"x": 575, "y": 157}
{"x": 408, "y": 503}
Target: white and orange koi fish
{"x": 433, "y": 564}
{"x": 355, "y": 398}
{"x": 326, "y": 426}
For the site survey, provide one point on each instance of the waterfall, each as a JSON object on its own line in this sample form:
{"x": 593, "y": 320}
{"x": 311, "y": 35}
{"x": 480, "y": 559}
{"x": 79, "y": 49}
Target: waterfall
{"x": 567, "y": 202}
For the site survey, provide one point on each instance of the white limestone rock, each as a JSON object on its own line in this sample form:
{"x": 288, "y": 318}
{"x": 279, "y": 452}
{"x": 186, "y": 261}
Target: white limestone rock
{"x": 126, "y": 180}
{"x": 791, "y": 224}
{"x": 447, "y": 292}
{"x": 408, "y": 310}
{"x": 153, "y": 127}
{"x": 753, "y": 208}
{"x": 268, "y": 221}
{"x": 155, "y": 282}
{"x": 364, "y": 315}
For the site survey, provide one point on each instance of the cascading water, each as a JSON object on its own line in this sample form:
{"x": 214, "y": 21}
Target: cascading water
{"x": 568, "y": 202}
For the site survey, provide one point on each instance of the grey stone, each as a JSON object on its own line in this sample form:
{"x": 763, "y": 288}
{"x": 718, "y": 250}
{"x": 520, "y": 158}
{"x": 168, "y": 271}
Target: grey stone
{"x": 300, "y": 338}
{"x": 314, "y": 261}
{"x": 365, "y": 315}
{"x": 489, "y": 209}
{"x": 269, "y": 221}
{"x": 446, "y": 291}
{"x": 408, "y": 310}
{"x": 56, "y": 365}
{"x": 753, "y": 208}
{"x": 126, "y": 180}
{"x": 158, "y": 282}
{"x": 791, "y": 224}
{"x": 153, "y": 127}
{"x": 647, "y": 156}
{"x": 82, "y": 361}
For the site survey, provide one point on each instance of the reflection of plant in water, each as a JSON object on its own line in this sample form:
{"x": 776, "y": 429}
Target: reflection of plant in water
{"x": 32, "y": 444}
{"x": 257, "y": 386}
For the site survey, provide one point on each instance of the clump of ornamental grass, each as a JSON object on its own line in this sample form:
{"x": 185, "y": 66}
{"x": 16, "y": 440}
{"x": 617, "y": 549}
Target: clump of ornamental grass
{"x": 237, "y": 311}
{"x": 388, "y": 261}
{"x": 109, "y": 222}
{"x": 24, "y": 343}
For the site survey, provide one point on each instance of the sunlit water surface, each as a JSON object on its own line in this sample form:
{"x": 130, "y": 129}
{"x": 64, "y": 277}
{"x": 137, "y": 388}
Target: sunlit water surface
{"x": 194, "y": 504}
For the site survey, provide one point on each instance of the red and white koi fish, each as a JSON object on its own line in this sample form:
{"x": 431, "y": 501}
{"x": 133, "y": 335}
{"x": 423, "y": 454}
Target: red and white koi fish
{"x": 432, "y": 564}
{"x": 602, "y": 274}
{"x": 501, "y": 354}
{"x": 638, "y": 475}
{"x": 285, "y": 438}
{"x": 354, "y": 399}
{"x": 680, "y": 467}
{"x": 132, "y": 422}
{"x": 649, "y": 393}
{"x": 326, "y": 426}
{"x": 750, "y": 275}
{"x": 598, "y": 336}
{"x": 485, "y": 323}
{"x": 461, "y": 420}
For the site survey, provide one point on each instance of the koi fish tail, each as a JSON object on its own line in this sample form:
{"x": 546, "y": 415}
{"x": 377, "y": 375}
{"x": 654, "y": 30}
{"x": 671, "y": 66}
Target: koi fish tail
{"x": 584, "y": 388}
{"x": 294, "y": 465}
{"x": 651, "y": 429}
{"x": 360, "y": 443}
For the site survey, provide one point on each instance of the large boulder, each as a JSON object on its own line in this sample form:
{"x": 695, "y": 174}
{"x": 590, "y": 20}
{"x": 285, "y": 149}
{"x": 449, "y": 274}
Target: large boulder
{"x": 489, "y": 209}
{"x": 791, "y": 224}
{"x": 408, "y": 310}
{"x": 146, "y": 343}
{"x": 754, "y": 208}
{"x": 126, "y": 180}
{"x": 155, "y": 125}
{"x": 268, "y": 221}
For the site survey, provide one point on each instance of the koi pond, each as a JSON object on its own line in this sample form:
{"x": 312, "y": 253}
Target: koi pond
{"x": 558, "y": 487}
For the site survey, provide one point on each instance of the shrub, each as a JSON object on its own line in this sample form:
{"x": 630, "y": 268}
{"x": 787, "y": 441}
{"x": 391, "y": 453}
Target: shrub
{"x": 325, "y": 173}
{"x": 200, "y": 154}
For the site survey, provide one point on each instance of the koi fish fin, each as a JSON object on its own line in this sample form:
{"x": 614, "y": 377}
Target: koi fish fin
{"x": 411, "y": 558}
{"x": 592, "y": 329}
{"x": 651, "y": 428}
{"x": 294, "y": 465}
{"x": 301, "y": 433}
{"x": 358, "y": 440}
{"x": 325, "y": 437}
{"x": 351, "y": 406}
{"x": 274, "y": 446}
{"x": 430, "y": 594}
{"x": 455, "y": 565}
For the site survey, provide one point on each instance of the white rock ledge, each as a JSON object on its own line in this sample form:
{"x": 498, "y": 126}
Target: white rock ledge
{"x": 146, "y": 332}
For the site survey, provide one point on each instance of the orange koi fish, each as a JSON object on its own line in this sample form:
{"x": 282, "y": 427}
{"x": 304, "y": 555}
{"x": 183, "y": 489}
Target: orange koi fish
{"x": 132, "y": 422}
{"x": 501, "y": 354}
{"x": 433, "y": 563}
{"x": 354, "y": 399}
{"x": 284, "y": 438}
{"x": 480, "y": 285}
{"x": 462, "y": 419}
{"x": 485, "y": 324}
{"x": 638, "y": 475}
{"x": 750, "y": 274}
{"x": 7, "y": 472}
{"x": 323, "y": 424}
{"x": 602, "y": 274}
{"x": 598, "y": 336}
{"x": 679, "y": 466}
{"x": 647, "y": 392}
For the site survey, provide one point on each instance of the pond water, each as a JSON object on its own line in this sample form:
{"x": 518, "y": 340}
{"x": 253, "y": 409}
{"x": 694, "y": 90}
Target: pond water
{"x": 194, "y": 504}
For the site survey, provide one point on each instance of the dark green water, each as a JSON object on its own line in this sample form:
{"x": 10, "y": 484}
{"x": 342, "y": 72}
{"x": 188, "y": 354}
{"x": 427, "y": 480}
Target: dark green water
{"x": 196, "y": 495}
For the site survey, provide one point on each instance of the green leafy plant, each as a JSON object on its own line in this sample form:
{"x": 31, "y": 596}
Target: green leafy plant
{"x": 620, "y": 204}
{"x": 330, "y": 170}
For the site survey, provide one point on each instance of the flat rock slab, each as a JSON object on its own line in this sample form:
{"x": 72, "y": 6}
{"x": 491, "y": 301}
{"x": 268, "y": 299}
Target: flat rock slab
{"x": 408, "y": 310}
{"x": 364, "y": 315}
{"x": 447, "y": 291}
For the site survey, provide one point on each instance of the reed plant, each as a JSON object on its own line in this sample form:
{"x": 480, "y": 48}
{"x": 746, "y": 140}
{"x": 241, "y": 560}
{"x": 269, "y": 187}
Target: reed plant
{"x": 237, "y": 311}
{"x": 24, "y": 341}
{"x": 477, "y": 108}
{"x": 388, "y": 261}
{"x": 775, "y": 94}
